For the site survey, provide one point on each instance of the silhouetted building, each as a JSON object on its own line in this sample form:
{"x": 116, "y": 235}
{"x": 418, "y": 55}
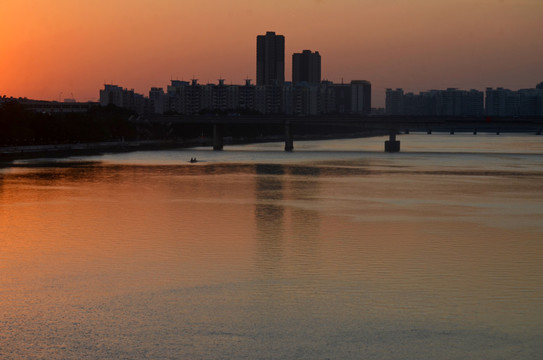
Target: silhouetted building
{"x": 473, "y": 104}
{"x": 530, "y": 102}
{"x": 450, "y": 102}
{"x": 213, "y": 97}
{"x": 269, "y": 99}
{"x": 327, "y": 98}
{"x": 306, "y": 67}
{"x": 535, "y": 104}
{"x": 177, "y": 96}
{"x": 124, "y": 98}
{"x": 502, "y": 102}
{"x": 394, "y": 102}
{"x": 342, "y": 98}
{"x": 353, "y": 98}
{"x": 306, "y": 99}
{"x": 360, "y": 97}
{"x": 270, "y": 59}
{"x": 247, "y": 96}
{"x": 232, "y": 97}
{"x": 302, "y": 99}
{"x": 194, "y": 98}
{"x": 158, "y": 101}
{"x": 505, "y": 102}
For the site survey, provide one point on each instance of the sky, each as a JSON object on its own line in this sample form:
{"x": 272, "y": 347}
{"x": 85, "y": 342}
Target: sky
{"x": 57, "y": 49}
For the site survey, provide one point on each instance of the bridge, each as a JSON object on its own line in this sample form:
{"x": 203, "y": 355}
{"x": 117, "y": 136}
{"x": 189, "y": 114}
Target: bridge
{"x": 391, "y": 125}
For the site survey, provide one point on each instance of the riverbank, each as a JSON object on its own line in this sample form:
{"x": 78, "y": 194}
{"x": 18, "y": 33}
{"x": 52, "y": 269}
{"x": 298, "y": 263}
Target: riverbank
{"x": 8, "y": 154}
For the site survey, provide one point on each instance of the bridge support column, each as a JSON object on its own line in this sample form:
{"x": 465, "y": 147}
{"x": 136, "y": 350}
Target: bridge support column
{"x": 217, "y": 137}
{"x": 289, "y": 139}
{"x": 392, "y": 145}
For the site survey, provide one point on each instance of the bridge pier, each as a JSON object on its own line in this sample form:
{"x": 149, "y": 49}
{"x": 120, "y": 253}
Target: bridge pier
{"x": 392, "y": 145}
{"x": 218, "y": 142}
{"x": 289, "y": 139}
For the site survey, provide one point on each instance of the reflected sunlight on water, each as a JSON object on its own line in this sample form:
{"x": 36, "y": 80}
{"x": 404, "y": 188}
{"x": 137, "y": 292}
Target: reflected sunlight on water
{"x": 256, "y": 253}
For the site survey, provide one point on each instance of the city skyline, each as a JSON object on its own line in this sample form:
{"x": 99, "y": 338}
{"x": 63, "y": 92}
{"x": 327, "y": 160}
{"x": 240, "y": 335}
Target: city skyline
{"x": 51, "y": 51}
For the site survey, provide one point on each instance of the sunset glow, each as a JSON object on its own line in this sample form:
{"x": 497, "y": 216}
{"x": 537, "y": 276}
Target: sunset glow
{"x": 53, "y": 49}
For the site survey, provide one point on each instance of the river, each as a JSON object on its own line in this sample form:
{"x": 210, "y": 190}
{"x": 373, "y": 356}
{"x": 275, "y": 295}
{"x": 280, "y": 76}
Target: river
{"x": 334, "y": 251}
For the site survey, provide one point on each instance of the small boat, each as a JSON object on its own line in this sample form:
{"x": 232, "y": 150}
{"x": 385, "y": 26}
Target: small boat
{"x": 193, "y": 160}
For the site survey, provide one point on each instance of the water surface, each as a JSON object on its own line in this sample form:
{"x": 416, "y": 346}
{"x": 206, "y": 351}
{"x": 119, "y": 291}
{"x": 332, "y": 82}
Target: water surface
{"x": 336, "y": 250}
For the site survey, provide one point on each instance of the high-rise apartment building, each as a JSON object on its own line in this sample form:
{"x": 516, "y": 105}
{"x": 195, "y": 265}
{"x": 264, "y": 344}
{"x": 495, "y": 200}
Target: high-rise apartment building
{"x": 360, "y": 97}
{"x": 450, "y": 102}
{"x": 270, "y": 59}
{"x": 394, "y": 101}
{"x": 158, "y": 101}
{"x": 306, "y": 67}
{"x": 118, "y": 96}
{"x": 502, "y": 102}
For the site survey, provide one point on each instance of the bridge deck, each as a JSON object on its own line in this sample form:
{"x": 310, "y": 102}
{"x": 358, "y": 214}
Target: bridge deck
{"x": 391, "y": 125}
{"x": 399, "y": 123}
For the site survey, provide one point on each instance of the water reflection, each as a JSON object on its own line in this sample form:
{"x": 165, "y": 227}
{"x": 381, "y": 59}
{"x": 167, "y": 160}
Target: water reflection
{"x": 269, "y": 215}
{"x": 285, "y": 215}
{"x": 305, "y": 190}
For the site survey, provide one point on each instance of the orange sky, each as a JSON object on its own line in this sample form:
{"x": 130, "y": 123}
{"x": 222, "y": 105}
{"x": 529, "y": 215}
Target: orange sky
{"x": 51, "y": 49}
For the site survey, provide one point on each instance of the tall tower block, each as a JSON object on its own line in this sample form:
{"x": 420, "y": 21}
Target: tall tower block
{"x": 270, "y": 59}
{"x": 306, "y": 66}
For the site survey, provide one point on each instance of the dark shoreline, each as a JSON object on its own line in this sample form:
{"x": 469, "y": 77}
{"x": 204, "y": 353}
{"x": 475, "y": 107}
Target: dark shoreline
{"x": 10, "y": 154}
